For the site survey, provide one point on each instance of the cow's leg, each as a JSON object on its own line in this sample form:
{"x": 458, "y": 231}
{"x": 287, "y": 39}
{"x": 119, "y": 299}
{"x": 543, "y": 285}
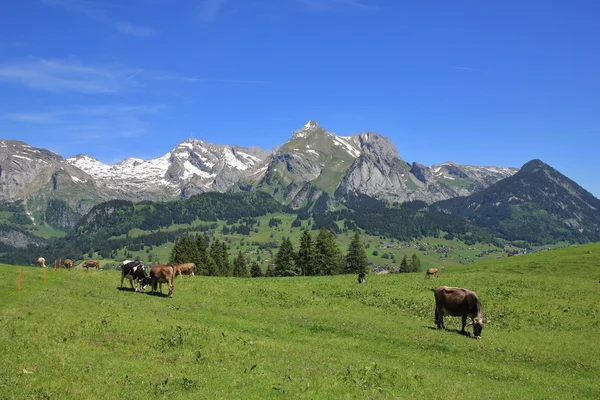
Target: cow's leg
{"x": 464, "y": 323}
{"x": 439, "y": 319}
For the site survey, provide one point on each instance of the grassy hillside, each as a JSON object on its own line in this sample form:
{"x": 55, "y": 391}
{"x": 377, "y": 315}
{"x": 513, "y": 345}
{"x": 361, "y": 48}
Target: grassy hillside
{"x": 318, "y": 337}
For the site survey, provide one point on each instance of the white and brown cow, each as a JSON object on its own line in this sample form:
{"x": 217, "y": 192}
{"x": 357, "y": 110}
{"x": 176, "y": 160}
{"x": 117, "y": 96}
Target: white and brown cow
{"x": 459, "y": 302}
{"x": 42, "y": 262}
{"x": 163, "y": 273}
{"x": 185, "y": 269}
{"x": 68, "y": 264}
{"x": 135, "y": 271}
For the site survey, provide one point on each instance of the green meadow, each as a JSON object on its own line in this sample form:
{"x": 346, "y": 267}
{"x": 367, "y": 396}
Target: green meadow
{"x": 79, "y": 337}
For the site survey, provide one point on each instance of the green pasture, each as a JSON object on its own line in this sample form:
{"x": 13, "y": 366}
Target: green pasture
{"x": 80, "y": 337}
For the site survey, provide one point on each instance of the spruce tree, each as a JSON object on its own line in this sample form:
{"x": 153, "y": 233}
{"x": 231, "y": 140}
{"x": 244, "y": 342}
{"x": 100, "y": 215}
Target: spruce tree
{"x": 415, "y": 264}
{"x": 202, "y": 256}
{"x": 184, "y": 251}
{"x": 227, "y": 268}
{"x": 306, "y": 254}
{"x": 240, "y": 269}
{"x": 215, "y": 255}
{"x": 327, "y": 254}
{"x": 255, "y": 270}
{"x": 285, "y": 264}
{"x": 404, "y": 265}
{"x": 356, "y": 259}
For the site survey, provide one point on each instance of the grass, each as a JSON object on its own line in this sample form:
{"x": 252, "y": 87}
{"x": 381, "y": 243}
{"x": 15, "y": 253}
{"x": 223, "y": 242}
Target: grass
{"x": 306, "y": 338}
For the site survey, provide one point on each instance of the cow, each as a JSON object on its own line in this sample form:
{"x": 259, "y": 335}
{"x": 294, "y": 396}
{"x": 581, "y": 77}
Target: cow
{"x": 361, "y": 278}
{"x": 431, "y": 271}
{"x": 163, "y": 273}
{"x": 68, "y": 264}
{"x": 42, "y": 262}
{"x": 91, "y": 264}
{"x": 459, "y": 302}
{"x": 187, "y": 269}
{"x": 135, "y": 271}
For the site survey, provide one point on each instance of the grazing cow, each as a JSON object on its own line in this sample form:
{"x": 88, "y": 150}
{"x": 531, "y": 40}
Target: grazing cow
{"x": 362, "y": 278}
{"x": 187, "y": 269}
{"x": 458, "y": 302}
{"x": 68, "y": 264}
{"x": 42, "y": 262}
{"x": 135, "y": 271}
{"x": 431, "y": 271}
{"x": 163, "y": 273}
{"x": 91, "y": 264}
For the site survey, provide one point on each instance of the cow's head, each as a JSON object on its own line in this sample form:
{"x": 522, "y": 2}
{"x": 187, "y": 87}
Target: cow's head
{"x": 144, "y": 282}
{"x": 478, "y": 324}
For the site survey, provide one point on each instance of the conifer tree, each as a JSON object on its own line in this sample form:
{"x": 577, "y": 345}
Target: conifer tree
{"x": 255, "y": 270}
{"x": 404, "y": 265}
{"x": 240, "y": 269}
{"x": 215, "y": 255}
{"x": 227, "y": 268}
{"x": 306, "y": 254}
{"x": 184, "y": 251}
{"x": 415, "y": 264}
{"x": 211, "y": 267}
{"x": 285, "y": 263}
{"x": 202, "y": 256}
{"x": 356, "y": 258}
{"x": 327, "y": 254}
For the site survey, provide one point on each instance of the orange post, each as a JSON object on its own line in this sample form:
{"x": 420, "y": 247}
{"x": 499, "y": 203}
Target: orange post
{"x": 19, "y": 280}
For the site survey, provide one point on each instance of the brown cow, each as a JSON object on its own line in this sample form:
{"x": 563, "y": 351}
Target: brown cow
{"x": 187, "y": 269}
{"x": 458, "y": 302}
{"x": 431, "y": 271}
{"x": 91, "y": 264}
{"x": 68, "y": 264}
{"x": 163, "y": 273}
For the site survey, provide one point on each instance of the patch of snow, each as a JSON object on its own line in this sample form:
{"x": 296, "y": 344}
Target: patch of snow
{"x": 76, "y": 179}
{"x": 337, "y": 140}
{"x": 23, "y": 157}
{"x": 232, "y": 161}
{"x": 312, "y": 152}
{"x": 248, "y": 156}
{"x": 191, "y": 170}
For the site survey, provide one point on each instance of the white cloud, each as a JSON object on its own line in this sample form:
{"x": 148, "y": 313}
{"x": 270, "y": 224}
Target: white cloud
{"x": 90, "y": 123}
{"x": 66, "y": 76}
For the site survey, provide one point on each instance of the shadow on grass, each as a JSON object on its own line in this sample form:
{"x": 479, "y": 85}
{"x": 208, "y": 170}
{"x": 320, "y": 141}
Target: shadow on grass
{"x": 467, "y": 333}
{"x": 125, "y": 289}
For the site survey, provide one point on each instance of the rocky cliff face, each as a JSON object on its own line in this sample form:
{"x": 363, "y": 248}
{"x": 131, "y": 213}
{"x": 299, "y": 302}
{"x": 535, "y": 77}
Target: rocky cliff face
{"x": 36, "y": 176}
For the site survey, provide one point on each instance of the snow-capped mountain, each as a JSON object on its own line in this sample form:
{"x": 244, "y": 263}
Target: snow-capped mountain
{"x": 193, "y": 166}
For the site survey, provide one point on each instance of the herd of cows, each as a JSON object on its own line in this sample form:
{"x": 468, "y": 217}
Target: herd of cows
{"x": 449, "y": 301}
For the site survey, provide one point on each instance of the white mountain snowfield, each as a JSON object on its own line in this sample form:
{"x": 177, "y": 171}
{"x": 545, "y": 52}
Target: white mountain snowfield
{"x": 195, "y": 159}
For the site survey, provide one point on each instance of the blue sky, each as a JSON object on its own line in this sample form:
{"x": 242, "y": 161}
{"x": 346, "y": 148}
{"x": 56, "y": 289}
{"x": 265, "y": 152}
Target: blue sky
{"x": 481, "y": 83}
